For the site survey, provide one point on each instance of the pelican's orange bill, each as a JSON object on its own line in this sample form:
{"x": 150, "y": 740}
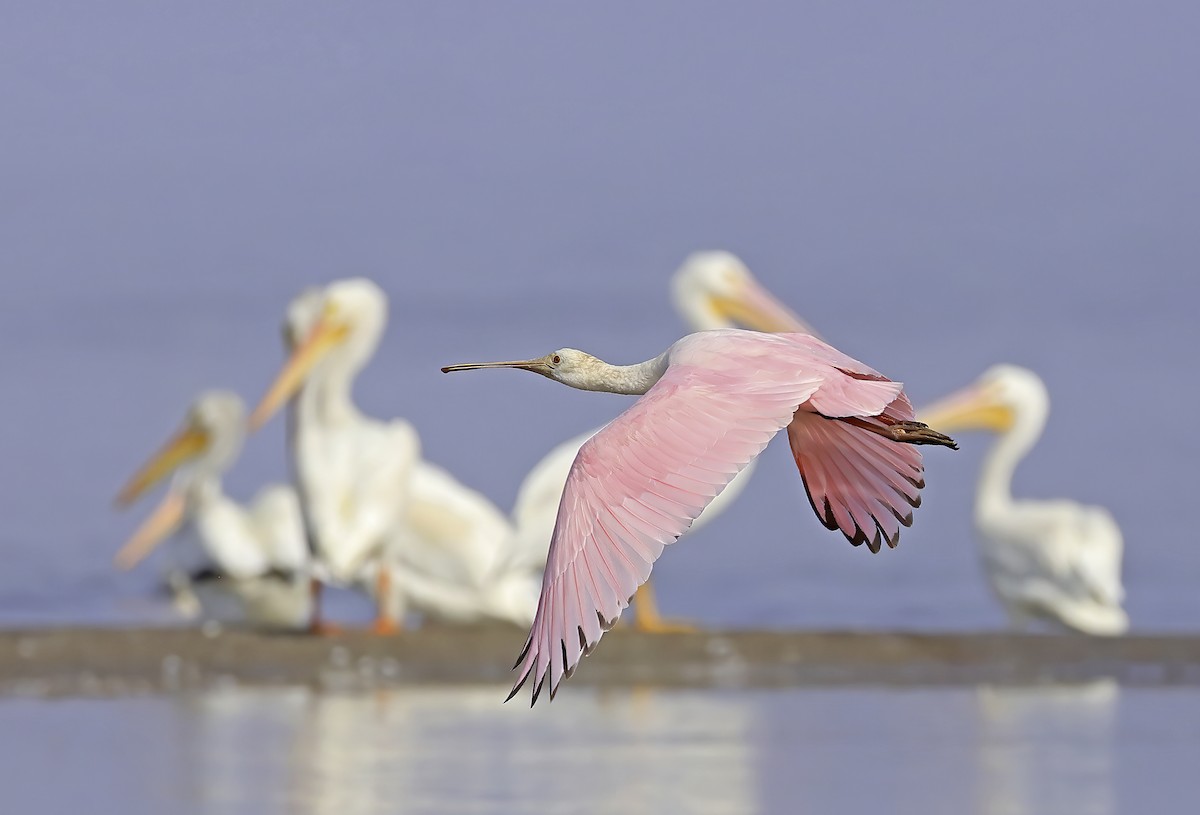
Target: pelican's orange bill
{"x": 183, "y": 447}
{"x": 325, "y": 335}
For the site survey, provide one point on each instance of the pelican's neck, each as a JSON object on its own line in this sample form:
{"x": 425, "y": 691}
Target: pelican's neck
{"x": 993, "y": 498}
{"x": 326, "y": 397}
{"x": 203, "y": 490}
{"x": 631, "y": 380}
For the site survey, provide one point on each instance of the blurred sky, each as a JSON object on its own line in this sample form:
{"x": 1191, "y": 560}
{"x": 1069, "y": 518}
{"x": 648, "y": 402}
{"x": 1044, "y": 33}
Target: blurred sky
{"x": 936, "y": 187}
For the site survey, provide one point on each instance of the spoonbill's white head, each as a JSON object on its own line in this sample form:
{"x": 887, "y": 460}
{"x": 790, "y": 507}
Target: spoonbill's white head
{"x": 328, "y": 332}
{"x": 715, "y": 290}
{"x": 583, "y": 371}
{"x": 566, "y": 365}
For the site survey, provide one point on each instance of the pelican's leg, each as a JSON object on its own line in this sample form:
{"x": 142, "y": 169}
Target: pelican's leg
{"x": 647, "y": 617}
{"x": 385, "y": 617}
{"x": 183, "y": 598}
{"x": 317, "y": 625}
{"x": 1019, "y": 620}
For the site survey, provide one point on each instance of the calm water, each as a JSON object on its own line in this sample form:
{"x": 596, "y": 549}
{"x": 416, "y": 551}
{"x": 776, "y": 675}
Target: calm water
{"x": 1089, "y": 750}
{"x": 936, "y": 189}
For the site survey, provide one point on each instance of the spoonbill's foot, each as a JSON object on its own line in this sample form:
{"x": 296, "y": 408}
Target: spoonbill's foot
{"x": 904, "y": 432}
{"x": 918, "y": 433}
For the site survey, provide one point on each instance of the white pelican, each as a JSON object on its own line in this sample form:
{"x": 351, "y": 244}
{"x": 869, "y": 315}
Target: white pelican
{"x": 710, "y": 290}
{"x": 371, "y": 503}
{"x": 455, "y": 557}
{"x": 714, "y": 290}
{"x": 352, "y": 471}
{"x": 259, "y": 550}
{"x": 709, "y": 404}
{"x": 1054, "y": 560}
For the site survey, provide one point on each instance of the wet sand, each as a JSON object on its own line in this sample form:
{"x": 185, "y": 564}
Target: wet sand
{"x": 90, "y": 661}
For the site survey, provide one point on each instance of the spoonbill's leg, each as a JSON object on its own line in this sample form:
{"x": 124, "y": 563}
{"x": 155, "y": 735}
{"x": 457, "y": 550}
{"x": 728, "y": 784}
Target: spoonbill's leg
{"x": 317, "y": 625}
{"x": 906, "y": 432}
{"x": 647, "y": 617}
{"x": 385, "y": 623}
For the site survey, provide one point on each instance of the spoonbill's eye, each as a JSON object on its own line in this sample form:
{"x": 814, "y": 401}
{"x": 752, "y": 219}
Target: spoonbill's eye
{"x": 556, "y": 359}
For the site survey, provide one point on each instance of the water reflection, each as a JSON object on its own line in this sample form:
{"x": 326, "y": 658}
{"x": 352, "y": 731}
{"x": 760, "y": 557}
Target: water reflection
{"x": 1047, "y": 749}
{"x": 420, "y": 750}
{"x": 1086, "y": 750}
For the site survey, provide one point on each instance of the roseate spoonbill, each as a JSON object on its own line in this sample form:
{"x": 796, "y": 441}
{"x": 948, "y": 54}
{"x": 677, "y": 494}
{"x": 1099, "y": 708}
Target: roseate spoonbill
{"x": 710, "y": 290}
{"x": 710, "y": 403}
{"x": 1054, "y": 560}
{"x": 371, "y": 503}
{"x": 259, "y": 550}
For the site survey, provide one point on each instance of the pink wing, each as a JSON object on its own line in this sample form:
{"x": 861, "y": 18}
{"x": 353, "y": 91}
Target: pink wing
{"x": 857, "y": 481}
{"x": 637, "y": 485}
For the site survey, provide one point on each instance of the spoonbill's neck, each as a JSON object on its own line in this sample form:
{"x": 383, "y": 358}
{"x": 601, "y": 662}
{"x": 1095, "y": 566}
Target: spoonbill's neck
{"x": 993, "y": 498}
{"x": 631, "y": 380}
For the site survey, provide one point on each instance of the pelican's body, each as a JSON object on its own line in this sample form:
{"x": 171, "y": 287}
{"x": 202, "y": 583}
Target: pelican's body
{"x": 351, "y": 471}
{"x": 1053, "y": 560}
{"x": 258, "y": 550}
{"x": 710, "y": 403}
{"x": 458, "y": 562}
{"x": 374, "y": 509}
{"x": 711, "y": 290}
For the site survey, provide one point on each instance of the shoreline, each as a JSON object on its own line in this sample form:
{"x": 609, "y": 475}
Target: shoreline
{"x": 82, "y": 661}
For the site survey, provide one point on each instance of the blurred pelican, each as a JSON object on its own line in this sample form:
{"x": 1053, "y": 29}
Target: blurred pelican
{"x": 716, "y": 290}
{"x": 710, "y": 290}
{"x": 455, "y": 558}
{"x": 371, "y": 503}
{"x": 259, "y": 550}
{"x": 1055, "y": 560}
{"x": 351, "y": 471}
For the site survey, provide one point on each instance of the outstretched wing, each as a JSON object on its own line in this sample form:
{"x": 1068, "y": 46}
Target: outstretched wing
{"x": 637, "y": 484}
{"x": 857, "y": 481}
{"x": 635, "y": 487}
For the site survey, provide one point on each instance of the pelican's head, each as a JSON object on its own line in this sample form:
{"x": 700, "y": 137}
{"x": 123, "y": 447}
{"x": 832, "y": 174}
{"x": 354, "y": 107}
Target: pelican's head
{"x": 1004, "y": 397}
{"x": 716, "y": 290}
{"x": 208, "y": 442}
{"x": 335, "y": 329}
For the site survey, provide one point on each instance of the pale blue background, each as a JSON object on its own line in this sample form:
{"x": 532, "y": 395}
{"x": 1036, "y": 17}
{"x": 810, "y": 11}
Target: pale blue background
{"x": 937, "y": 187}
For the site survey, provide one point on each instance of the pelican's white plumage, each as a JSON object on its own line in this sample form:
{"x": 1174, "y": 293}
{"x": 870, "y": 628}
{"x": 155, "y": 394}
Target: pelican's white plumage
{"x": 352, "y": 471}
{"x": 711, "y": 290}
{"x": 1053, "y": 560}
{"x": 259, "y": 549}
{"x": 371, "y": 502}
{"x": 457, "y": 562}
